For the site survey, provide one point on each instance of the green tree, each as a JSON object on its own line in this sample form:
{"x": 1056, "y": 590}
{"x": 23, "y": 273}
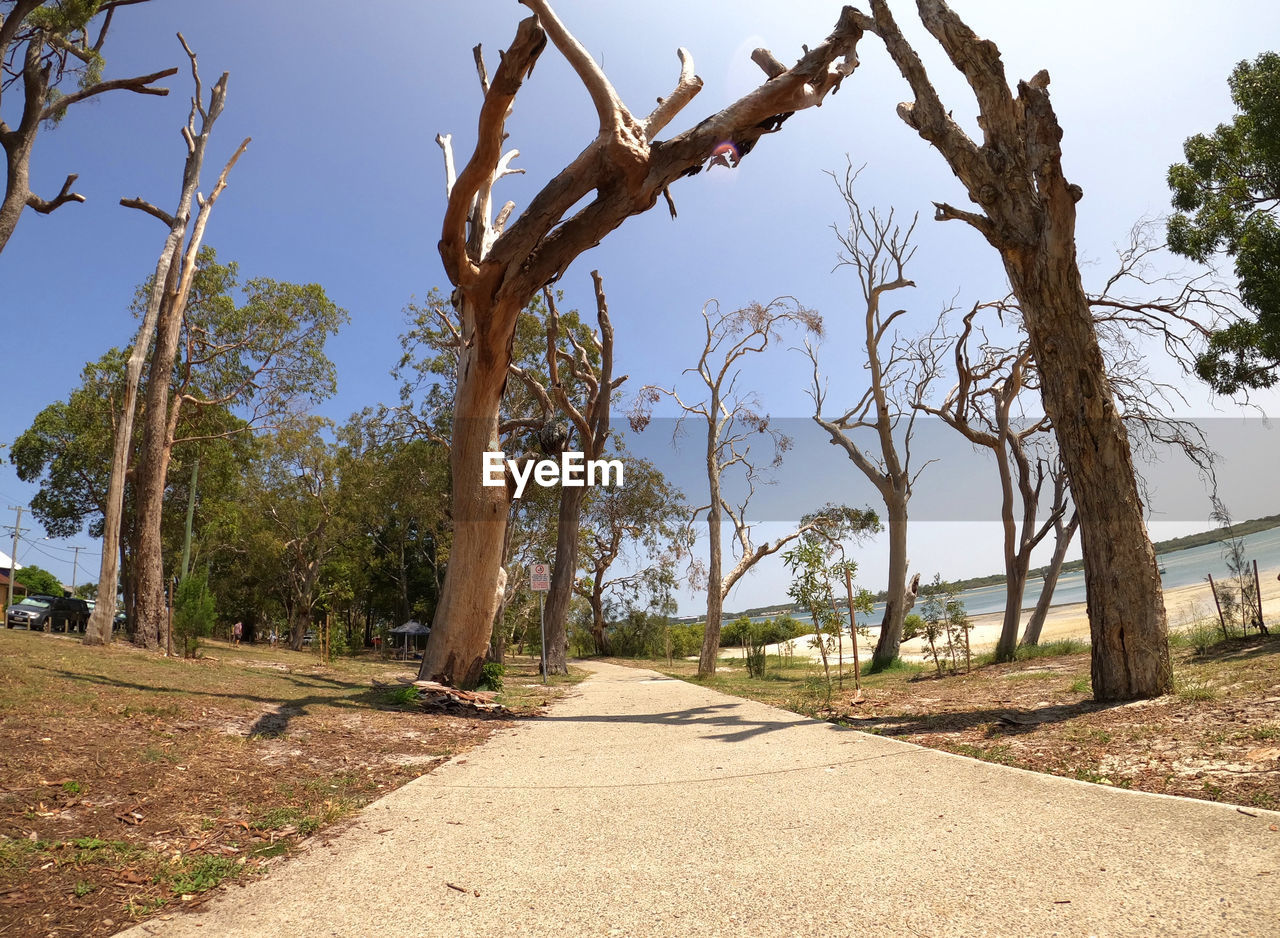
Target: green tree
{"x": 1227, "y": 196}
{"x": 38, "y": 580}
{"x": 194, "y": 610}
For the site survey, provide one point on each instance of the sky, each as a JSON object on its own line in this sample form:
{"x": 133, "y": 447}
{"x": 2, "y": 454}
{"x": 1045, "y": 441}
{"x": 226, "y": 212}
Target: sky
{"x": 342, "y": 185}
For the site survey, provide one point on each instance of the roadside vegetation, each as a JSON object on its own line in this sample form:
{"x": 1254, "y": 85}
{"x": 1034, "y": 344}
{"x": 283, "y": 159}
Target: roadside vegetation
{"x": 132, "y": 785}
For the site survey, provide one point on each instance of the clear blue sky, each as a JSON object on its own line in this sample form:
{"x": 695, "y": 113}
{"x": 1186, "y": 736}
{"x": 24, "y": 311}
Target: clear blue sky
{"x": 343, "y": 186}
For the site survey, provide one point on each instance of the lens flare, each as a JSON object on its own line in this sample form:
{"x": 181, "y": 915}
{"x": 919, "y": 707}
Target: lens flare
{"x": 726, "y": 154}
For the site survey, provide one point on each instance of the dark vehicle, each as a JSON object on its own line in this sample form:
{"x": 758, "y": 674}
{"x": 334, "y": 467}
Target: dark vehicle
{"x": 57, "y": 613}
{"x": 30, "y": 612}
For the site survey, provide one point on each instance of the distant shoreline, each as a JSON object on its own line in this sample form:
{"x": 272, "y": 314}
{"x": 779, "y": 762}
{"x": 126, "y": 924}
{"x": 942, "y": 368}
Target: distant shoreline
{"x": 1169, "y": 546}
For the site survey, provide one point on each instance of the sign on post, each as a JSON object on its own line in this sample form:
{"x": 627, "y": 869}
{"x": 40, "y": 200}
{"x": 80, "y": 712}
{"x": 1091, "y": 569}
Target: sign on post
{"x": 540, "y": 577}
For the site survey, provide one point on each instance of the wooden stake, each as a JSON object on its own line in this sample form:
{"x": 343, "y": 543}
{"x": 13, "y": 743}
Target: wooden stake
{"x": 1213, "y": 589}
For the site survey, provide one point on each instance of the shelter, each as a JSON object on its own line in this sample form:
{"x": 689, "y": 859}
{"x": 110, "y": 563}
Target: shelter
{"x": 412, "y": 630}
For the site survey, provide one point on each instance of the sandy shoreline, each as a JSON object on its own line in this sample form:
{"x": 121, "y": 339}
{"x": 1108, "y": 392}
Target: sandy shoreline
{"x": 1184, "y": 606}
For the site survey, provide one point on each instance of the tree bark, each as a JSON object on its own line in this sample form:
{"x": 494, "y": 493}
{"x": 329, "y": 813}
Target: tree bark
{"x": 563, "y": 575}
{"x": 463, "y": 620}
{"x": 1028, "y": 214}
{"x": 498, "y": 264}
{"x": 715, "y": 574}
{"x": 899, "y": 599}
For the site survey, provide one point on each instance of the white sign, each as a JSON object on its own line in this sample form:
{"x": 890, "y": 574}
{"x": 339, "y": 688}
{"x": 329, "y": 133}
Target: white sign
{"x": 540, "y": 576}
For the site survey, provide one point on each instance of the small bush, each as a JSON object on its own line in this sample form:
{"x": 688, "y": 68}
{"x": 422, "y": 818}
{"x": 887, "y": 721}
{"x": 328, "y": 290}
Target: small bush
{"x": 193, "y": 612}
{"x": 491, "y": 675}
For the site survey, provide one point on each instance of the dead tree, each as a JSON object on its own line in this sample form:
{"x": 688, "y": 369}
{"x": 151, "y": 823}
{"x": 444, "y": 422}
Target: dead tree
{"x": 1064, "y": 530}
{"x": 878, "y": 251}
{"x": 40, "y": 45}
{"x": 733, "y": 421}
{"x": 590, "y": 423}
{"x": 984, "y": 406}
{"x": 497, "y": 264}
{"x": 1027, "y": 212}
{"x": 170, "y": 287}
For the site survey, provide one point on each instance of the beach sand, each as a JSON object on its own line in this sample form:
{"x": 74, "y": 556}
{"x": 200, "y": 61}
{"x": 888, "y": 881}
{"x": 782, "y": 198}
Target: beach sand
{"x": 1184, "y": 606}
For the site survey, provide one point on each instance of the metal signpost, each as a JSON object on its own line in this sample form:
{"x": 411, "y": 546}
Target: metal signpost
{"x": 540, "y": 582}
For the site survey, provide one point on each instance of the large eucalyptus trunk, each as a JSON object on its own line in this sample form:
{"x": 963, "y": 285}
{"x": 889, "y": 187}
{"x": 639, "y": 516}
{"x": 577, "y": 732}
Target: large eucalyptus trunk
{"x": 472, "y": 585}
{"x": 1122, "y": 579}
{"x": 152, "y": 472}
{"x": 1028, "y": 214}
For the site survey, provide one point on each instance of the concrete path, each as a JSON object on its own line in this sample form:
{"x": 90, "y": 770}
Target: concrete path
{"x": 643, "y": 806}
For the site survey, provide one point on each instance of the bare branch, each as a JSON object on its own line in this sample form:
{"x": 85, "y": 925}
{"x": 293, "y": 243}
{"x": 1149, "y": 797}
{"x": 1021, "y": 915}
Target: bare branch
{"x": 686, "y": 88}
{"x": 64, "y": 196}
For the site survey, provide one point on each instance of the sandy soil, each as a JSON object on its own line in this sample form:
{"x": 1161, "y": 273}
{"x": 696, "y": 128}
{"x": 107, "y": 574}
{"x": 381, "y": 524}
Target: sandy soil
{"x": 1184, "y": 606}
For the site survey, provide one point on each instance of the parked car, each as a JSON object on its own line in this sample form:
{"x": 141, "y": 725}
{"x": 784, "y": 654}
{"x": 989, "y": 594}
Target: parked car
{"x": 60, "y": 614}
{"x": 30, "y": 613}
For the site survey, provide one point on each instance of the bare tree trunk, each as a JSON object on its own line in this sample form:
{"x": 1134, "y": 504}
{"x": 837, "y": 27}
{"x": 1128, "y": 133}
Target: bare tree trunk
{"x": 153, "y": 469}
{"x": 469, "y": 600}
{"x": 498, "y": 263}
{"x": 1130, "y": 649}
{"x": 563, "y": 575}
{"x": 715, "y": 577}
{"x": 899, "y": 599}
{"x": 167, "y": 286}
{"x": 1028, "y": 214}
{"x": 1036, "y": 623}
{"x": 597, "y": 615}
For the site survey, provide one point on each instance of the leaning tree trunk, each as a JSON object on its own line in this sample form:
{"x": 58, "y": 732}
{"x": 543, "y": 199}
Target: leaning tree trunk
{"x": 1015, "y": 559}
{"x": 1028, "y": 214}
{"x": 1130, "y": 651}
{"x": 899, "y": 599}
{"x": 1036, "y": 623}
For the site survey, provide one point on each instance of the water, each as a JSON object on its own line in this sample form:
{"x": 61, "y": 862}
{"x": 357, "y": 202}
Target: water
{"x": 1180, "y": 568}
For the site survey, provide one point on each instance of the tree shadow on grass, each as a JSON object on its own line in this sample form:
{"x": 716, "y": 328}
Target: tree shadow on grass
{"x": 270, "y": 724}
{"x": 999, "y": 721}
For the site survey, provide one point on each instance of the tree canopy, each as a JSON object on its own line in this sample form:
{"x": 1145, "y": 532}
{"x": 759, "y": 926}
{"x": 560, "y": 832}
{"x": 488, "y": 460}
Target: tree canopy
{"x": 1227, "y": 195}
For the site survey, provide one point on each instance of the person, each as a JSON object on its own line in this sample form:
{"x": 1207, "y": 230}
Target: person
{"x": 236, "y": 631}
{"x": 274, "y": 638}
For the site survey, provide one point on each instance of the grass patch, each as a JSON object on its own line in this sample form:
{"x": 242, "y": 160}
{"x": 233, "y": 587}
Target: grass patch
{"x": 1055, "y": 649}
{"x": 201, "y": 874}
{"x": 1082, "y": 685}
{"x": 1193, "y": 690}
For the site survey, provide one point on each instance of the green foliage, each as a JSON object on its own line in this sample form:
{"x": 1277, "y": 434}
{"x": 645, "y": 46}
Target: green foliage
{"x": 194, "y": 611}
{"x": 403, "y": 696}
{"x": 912, "y": 626}
{"x": 201, "y": 874}
{"x": 945, "y": 625}
{"x": 491, "y": 675}
{"x": 38, "y": 580}
{"x": 1226, "y": 199}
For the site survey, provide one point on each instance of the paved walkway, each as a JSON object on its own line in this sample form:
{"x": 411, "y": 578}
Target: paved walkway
{"x": 643, "y": 806}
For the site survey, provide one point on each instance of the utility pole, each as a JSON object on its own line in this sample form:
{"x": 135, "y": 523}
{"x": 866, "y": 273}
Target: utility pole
{"x": 191, "y": 509}
{"x": 13, "y": 557}
{"x": 75, "y": 568}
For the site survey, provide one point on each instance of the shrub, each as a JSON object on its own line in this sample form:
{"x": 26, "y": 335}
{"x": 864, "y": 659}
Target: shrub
{"x": 193, "y": 612}
{"x": 491, "y": 675}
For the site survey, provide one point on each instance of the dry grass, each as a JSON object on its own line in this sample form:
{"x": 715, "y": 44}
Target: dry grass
{"x": 131, "y": 782}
